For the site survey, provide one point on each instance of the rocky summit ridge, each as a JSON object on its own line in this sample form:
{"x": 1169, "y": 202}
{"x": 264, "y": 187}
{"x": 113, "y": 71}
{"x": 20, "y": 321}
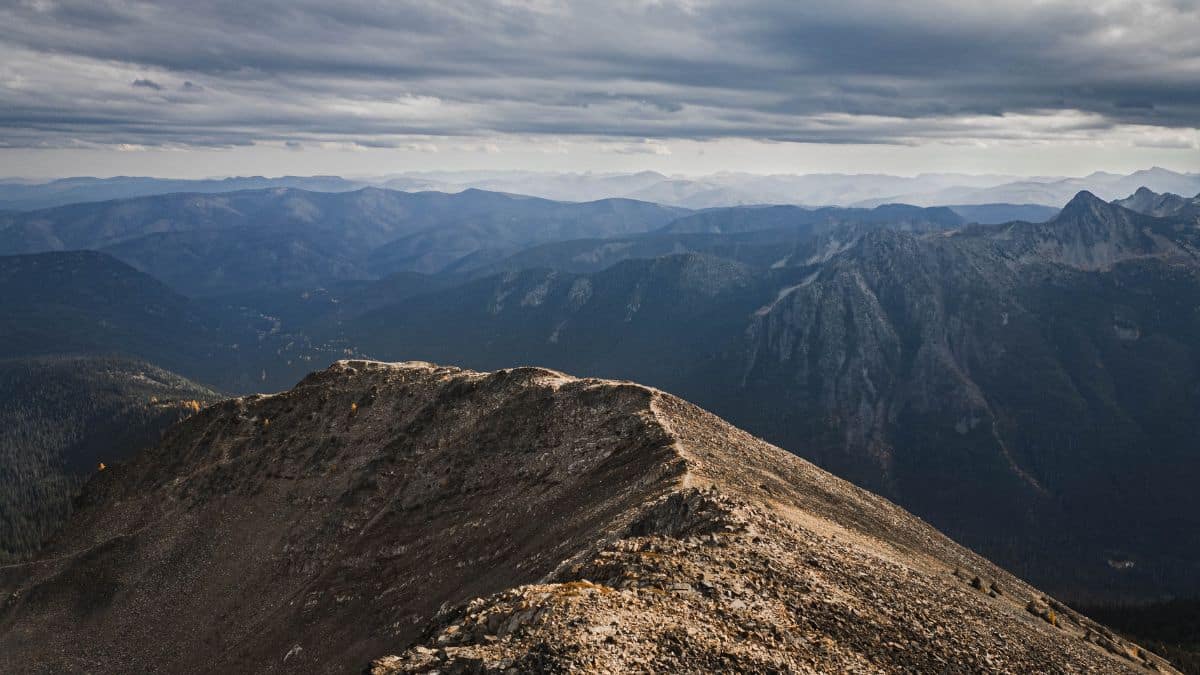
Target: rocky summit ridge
{"x": 415, "y": 518}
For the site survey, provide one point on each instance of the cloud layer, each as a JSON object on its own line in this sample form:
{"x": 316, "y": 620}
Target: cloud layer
{"x": 298, "y": 72}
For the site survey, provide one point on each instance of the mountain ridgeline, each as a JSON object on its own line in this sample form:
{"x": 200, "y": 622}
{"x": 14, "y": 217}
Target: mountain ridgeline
{"x": 408, "y": 518}
{"x": 209, "y": 244}
{"x": 978, "y": 198}
{"x": 280, "y": 238}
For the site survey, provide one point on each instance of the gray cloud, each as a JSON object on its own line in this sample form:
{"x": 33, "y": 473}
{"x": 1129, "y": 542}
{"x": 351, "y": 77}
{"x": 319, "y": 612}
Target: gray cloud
{"x": 856, "y": 71}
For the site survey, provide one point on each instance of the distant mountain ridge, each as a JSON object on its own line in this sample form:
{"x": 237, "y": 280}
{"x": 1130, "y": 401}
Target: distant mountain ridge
{"x": 1092, "y": 234}
{"x": 280, "y": 237}
{"x": 748, "y": 219}
{"x": 814, "y": 190}
{"x": 1150, "y": 203}
{"x": 24, "y": 196}
{"x": 695, "y": 192}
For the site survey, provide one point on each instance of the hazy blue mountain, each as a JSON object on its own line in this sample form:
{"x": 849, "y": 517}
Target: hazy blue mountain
{"x": 27, "y": 196}
{"x": 696, "y": 192}
{"x": 1051, "y": 191}
{"x": 499, "y": 225}
{"x": 851, "y": 190}
{"x": 748, "y": 219}
{"x": 760, "y": 236}
{"x": 994, "y": 214}
{"x": 269, "y": 239}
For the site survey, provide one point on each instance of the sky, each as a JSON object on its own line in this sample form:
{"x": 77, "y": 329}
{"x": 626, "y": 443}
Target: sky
{"x": 362, "y": 87}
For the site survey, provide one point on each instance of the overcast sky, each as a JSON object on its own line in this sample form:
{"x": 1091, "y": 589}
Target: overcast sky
{"x": 194, "y": 88}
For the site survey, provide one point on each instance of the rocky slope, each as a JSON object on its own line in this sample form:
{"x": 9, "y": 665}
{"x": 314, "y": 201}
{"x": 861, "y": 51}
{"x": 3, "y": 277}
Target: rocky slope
{"x": 418, "y": 519}
{"x": 1164, "y": 205}
{"x": 1031, "y": 389}
{"x": 1091, "y": 234}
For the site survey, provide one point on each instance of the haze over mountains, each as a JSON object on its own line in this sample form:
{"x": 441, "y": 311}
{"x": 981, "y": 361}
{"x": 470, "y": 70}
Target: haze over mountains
{"x": 286, "y": 238}
{"x": 696, "y": 192}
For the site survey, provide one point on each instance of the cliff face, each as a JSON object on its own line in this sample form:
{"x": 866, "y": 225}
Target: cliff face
{"x": 520, "y": 519}
{"x": 996, "y": 381}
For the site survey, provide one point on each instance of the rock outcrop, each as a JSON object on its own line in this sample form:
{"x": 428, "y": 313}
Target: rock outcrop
{"x": 414, "y": 518}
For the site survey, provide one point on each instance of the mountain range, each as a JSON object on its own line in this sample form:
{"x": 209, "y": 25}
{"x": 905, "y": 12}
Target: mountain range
{"x": 992, "y": 379}
{"x": 1030, "y": 388}
{"x": 28, "y": 195}
{"x": 966, "y": 193}
{"x": 863, "y": 190}
{"x": 285, "y": 238}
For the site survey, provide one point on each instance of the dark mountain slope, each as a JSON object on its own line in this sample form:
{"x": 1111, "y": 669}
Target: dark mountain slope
{"x": 654, "y": 318}
{"x": 1171, "y": 627}
{"x": 1044, "y": 415}
{"x": 1185, "y": 209}
{"x": 60, "y": 417}
{"x": 1150, "y": 203}
{"x": 559, "y": 524}
{"x": 994, "y": 214}
{"x": 241, "y": 259}
{"x": 1092, "y": 234}
{"x": 761, "y": 248}
{"x": 84, "y": 302}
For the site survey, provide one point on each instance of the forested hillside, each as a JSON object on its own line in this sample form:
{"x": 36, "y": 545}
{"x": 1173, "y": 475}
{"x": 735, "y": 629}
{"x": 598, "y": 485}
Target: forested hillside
{"x": 60, "y": 418}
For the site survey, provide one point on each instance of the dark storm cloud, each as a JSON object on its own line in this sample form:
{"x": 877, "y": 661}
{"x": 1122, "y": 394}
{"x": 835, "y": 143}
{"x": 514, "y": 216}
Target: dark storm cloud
{"x": 230, "y": 73}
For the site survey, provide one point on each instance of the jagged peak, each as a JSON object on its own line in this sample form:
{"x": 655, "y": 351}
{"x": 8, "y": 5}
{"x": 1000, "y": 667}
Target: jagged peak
{"x": 1083, "y": 200}
{"x": 1086, "y": 207}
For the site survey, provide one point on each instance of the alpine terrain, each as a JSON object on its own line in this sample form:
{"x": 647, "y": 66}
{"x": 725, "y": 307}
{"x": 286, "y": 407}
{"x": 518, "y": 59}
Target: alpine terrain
{"x": 414, "y": 518}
